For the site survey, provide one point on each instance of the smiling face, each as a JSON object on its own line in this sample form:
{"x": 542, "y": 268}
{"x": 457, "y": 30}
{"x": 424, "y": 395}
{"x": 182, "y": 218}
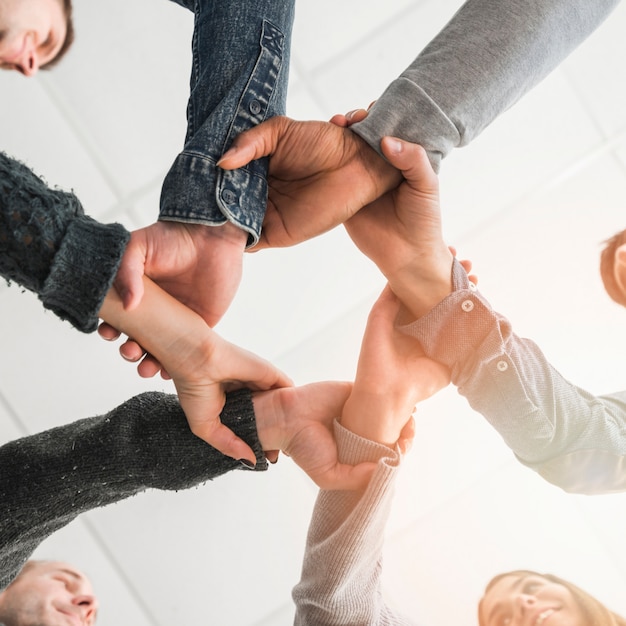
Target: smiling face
{"x": 49, "y": 592}
{"x": 529, "y": 600}
{"x": 32, "y": 33}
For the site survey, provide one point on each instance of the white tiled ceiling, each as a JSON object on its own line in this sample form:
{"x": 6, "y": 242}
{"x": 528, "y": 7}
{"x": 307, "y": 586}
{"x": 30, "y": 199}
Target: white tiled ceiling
{"x": 529, "y": 202}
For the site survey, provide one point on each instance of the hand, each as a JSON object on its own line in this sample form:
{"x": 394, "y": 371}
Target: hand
{"x": 401, "y": 232}
{"x": 393, "y": 374}
{"x": 299, "y": 421}
{"x": 319, "y": 176}
{"x": 198, "y": 265}
{"x": 203, "y": 365}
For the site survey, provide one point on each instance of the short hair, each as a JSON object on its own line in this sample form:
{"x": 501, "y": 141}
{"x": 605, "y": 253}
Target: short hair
{"x": 595, "y": 613}
{"x": 607, "y": 267}
{"x": 69, "y": 36}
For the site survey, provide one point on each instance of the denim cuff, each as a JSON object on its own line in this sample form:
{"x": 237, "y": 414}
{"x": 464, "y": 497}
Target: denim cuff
{"x": 195, "y": 190}
{"x": 212, "y": 196}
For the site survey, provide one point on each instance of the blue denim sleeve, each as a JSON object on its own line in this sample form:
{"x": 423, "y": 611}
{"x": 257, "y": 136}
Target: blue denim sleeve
{"x": 239, "y": 79}
{"x": 574, "y": 439}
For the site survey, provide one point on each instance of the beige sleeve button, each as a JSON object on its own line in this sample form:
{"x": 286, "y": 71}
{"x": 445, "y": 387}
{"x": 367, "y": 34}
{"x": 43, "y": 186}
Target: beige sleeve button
{"x": 467, "y": 306}
{"x": 502, "y": 366}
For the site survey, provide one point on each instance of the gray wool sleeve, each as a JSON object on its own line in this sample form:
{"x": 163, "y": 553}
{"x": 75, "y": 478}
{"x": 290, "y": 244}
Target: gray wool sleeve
{"x": 48, "y": 479}
{"x": 487, "y": 57}
{"x": 49, "y": 246}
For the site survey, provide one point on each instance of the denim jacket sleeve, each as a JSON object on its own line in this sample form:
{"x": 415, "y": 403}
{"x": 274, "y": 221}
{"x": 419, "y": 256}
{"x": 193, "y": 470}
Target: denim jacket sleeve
{"x": 239, "y": 78}
{"x": 574, "y": 439}
{"x": 487, "y": 57}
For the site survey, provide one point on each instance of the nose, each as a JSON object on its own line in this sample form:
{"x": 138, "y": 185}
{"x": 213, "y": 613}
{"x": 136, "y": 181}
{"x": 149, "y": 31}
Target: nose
{"x": 523, "y": 602}
{"x": 28, "y": 63}
{"x": 87, "y": 606}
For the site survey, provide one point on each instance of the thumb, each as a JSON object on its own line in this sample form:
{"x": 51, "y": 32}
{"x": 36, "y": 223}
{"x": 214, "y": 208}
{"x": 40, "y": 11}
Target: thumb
{"x": 260, "y": 141}
{"x": 346, "y": 477}
{"x": 411, "y": 159}
{"x": 129, "y": 279}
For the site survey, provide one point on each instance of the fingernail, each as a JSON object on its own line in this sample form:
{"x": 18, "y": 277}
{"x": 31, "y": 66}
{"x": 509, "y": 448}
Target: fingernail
{"x": 229, "y": 153}
{"x": 395, "y": 145}
{"x": 248, "y": 464}
{"x": 350, "y": 114}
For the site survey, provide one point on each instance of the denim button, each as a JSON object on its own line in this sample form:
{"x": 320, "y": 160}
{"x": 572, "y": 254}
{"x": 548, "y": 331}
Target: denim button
{"x": 229, "y": 196}
{"x": 255, "y": 107}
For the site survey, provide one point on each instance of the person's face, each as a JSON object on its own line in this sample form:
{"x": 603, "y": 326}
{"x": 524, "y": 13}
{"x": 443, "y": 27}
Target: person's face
{"x": 55, "y": 593}
{"x": 31, "y": 33}
{"x": 529, "y": 600}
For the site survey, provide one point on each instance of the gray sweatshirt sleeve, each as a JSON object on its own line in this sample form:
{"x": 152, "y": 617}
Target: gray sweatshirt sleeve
{"x": 574, "y": 439}
{"x": 487, "y": 57}
{"x": 49, "y": 246}
{"x": 48, "y": 479}
{"x": 340, "y": 583}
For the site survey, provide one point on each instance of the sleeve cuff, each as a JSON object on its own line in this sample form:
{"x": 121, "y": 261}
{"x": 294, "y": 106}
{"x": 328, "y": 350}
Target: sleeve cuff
{"x": 83, "y": 271}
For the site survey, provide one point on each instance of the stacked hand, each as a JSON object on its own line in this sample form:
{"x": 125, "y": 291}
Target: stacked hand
{"x": 319, "y": 176}
{"x": 202, "y": 364}
{"x": 393, "y": 375}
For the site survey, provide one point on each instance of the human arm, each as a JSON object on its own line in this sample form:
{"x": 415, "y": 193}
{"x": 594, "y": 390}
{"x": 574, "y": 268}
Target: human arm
{"x": 571, "y": 437}
{"x": 50, "y": 478}
{"x": 239, "y": 78}
{"x": 50, "y": 247}
{"x": 202, "y": 365}
{"x": 340, "y": 582}
{"x": 486, "y": 58}
{"x": 70, "y": 260}
{"x": 483, "y": 61}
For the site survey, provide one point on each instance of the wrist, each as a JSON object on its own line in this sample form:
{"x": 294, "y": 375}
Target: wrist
{"x": 423, "y": 283}
{"x": 376, "y": 416}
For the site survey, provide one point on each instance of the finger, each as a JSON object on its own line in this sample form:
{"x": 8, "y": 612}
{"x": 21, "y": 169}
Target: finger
{"x": 149, "y": 367}
{"x": 255, "y": 143}
{"x": 131, "y": 351}
{"x": 353, "y": 117}
{"x": 346, "y": 477}
{"x": 255, "y": 371}
{"x": 272, "y": 455}
{"x": 224, "y": 440}
{"x": 466, "y": 264}
{"x": 412, "y": 161}
{"x": 339, "y": 120}
{"x": 108, "y": 333}
{"x": 406, "y": 436}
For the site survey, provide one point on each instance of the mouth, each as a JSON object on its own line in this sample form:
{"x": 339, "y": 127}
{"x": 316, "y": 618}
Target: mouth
{"x": 543, "y": 616}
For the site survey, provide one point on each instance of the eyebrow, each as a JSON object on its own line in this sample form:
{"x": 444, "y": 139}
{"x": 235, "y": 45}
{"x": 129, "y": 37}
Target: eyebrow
{"x": 75, "y": 575}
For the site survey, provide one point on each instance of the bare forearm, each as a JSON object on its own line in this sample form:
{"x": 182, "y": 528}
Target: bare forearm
{"x": 167, "y": 329}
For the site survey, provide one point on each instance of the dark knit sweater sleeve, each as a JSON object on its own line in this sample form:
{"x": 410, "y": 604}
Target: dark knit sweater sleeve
{"x": 49, "y": 246}
{"x": 48, "y": 479}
